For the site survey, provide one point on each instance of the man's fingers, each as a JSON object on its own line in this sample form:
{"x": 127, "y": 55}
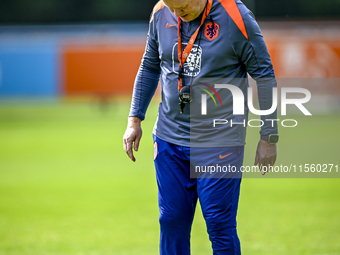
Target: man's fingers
{"x": 136, "y": 144}
{"x": 128, "y": 149}
{"x": 132, "y": 137}
{"x": 264, "y": 166}
{"x": 268, "y": 163}
{"x": 273, "y": 161}
{"x": 267, "y": 168}
{"x": 265, "y": 156}
{"x": 262, "y": 163}
{"x": 130, "y": 152}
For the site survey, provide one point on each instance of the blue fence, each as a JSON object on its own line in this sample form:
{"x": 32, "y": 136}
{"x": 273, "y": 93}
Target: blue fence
{"x": 28, "y": 70}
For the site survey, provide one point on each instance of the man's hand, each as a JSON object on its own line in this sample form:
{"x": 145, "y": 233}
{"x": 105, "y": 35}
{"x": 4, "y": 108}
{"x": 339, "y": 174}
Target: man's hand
{"x": 132, "y": 135}
{"x": 265, "y": 155}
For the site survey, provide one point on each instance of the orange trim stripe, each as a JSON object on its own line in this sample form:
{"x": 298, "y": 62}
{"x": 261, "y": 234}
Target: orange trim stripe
{"x": 231, "y": 8}
{"x": 157, "y": 7}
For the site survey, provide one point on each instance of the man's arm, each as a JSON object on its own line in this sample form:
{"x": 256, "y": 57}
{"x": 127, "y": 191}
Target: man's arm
{"x": 255, "y": 56}
{"x": 144, "y": 88}
{"x": 132, "y": 136}
{"x": 265, "y": 155}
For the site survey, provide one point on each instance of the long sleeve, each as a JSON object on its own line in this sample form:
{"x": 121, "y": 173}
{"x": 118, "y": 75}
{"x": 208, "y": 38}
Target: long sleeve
{"x": 255, "y": 57}
{"x": 147, "y": 77}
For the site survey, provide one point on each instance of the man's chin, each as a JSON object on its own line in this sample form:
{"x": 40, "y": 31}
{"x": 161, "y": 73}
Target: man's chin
{"x": 186, "y": 18}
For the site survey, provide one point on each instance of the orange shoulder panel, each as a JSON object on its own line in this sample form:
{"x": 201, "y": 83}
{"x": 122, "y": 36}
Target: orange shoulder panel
{"x": 157, "y": 7}
{"x": 231, "y": 8}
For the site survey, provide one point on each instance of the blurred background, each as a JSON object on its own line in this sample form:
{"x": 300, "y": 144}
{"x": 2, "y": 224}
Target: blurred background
{"x": 61, "y": 48}
{"x": 66, "y": 186}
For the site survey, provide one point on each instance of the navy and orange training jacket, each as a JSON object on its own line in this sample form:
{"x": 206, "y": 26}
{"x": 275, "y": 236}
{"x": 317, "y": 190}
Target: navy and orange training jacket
{"x": 229, "y": 45}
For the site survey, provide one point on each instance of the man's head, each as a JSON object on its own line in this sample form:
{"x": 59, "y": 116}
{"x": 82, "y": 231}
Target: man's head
{"x": 187, "y": 10}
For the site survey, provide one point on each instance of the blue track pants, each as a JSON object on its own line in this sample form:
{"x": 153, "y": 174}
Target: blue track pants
{"x": 178, "y": 193}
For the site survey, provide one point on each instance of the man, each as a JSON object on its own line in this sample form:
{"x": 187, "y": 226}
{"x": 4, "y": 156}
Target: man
{"x": 190, "y": 44}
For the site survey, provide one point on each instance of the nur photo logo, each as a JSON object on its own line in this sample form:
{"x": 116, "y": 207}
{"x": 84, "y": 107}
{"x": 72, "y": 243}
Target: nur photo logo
{"x": 239, "y": 100}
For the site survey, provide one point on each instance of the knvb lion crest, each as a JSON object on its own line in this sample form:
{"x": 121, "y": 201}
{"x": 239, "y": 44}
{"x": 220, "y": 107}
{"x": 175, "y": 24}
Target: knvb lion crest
{"x": 192, "y": 65}
{"x": 211, "y": 30}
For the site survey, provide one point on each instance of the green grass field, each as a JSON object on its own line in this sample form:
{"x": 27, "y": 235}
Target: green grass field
{"x": 67, "y": 187}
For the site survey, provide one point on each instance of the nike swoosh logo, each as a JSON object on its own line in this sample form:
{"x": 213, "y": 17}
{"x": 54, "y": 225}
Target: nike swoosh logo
{"x": 222, "y": 157}
{"x": 167, "y": 25}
